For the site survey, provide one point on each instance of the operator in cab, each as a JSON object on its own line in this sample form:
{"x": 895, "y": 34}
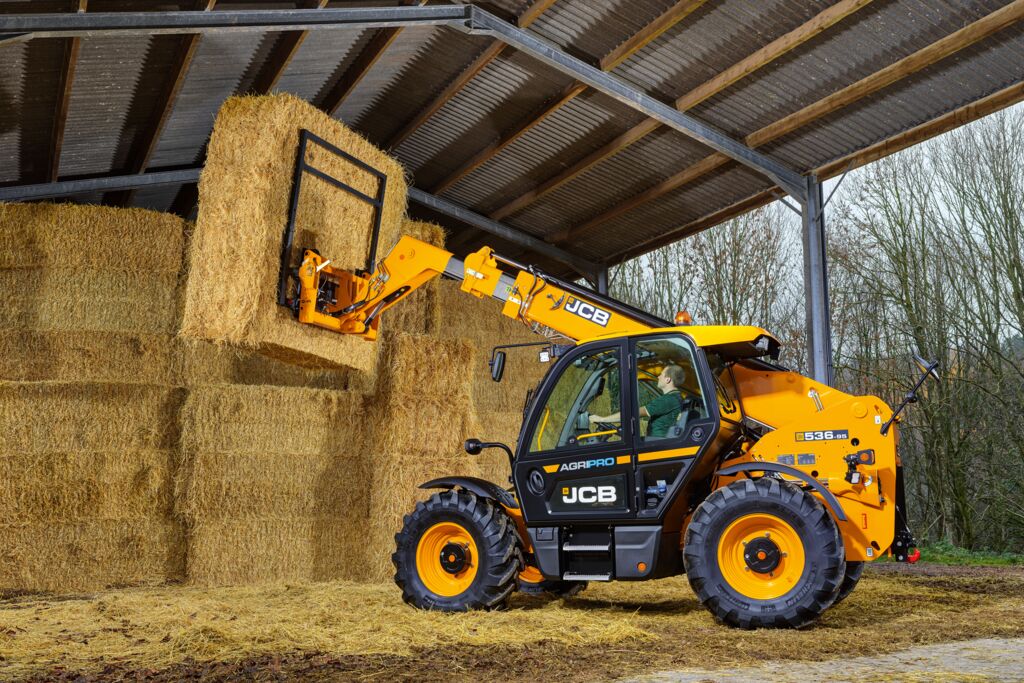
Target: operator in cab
{"x": 661, "y": 412}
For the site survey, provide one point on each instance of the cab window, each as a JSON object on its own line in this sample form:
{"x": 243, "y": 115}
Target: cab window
{"x": 589, "y": 386}
{"x": 668, "y": 389}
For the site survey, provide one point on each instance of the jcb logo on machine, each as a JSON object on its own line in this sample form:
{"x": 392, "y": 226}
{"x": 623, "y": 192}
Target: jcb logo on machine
{"x": 824, "y": 435}
{"x": 588, "y": 494}
{"x": 588, "y": 311}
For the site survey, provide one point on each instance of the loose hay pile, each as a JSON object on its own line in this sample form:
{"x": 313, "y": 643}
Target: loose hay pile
{"x": 234, "y": 256}
{"x": 342, "y": 631}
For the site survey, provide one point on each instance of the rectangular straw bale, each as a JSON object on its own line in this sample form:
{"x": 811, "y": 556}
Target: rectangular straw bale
{"x": 89, "y": 299}
{"x": 87, "y": 356}
{"x": 481, "y": 322}
{"x": 272, "y": 483}
{"x": 70, "y": 237}
{"x": 89, "y": 555}
{"x": 243, "y": 203}
{"x": 421, "y": 413}
{"x": 226, "y": 552}
{"x": 47, "y": 417}
{"x": 71, "y": 485}
{"x": 201, "y": 362}
{"x": 420, "y": 312}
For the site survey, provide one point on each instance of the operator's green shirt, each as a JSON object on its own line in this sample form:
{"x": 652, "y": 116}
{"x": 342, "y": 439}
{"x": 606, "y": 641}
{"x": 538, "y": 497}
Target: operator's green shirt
{"x": 664, "y": 412}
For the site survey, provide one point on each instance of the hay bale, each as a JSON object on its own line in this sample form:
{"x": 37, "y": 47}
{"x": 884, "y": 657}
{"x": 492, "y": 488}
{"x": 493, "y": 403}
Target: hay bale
{"x": 243, "y": 200}
{"x": 420, "y": 312}
{"x": 421, "y": 414}
{"x": 89, "y": 555}
{"x": 481, "y": 322}
{"x": 72, "y": 237}
{"x": 272, "y": 484}
{"x": 86, "y": 474}
{"x": 86, "y": 356}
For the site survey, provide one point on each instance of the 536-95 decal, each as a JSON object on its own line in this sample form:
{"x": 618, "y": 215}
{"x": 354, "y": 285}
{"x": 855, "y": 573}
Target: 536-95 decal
{"x": 824, "y": 435}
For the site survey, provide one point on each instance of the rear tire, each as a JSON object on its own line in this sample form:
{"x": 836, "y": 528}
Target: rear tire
{"x": 850, "y": 580}
{"x": 457, "y": 552}
{"x": 764, "y": 553}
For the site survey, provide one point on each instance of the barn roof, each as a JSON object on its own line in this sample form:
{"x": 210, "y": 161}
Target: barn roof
{"x": 815, "y": 86}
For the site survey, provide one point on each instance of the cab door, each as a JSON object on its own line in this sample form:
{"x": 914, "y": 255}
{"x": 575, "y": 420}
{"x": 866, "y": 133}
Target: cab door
{"x": 675, "y": 424}
{"x": 571, "y": 468}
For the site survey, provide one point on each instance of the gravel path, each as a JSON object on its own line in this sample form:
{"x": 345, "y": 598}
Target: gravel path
{"x": 989, "y": 659}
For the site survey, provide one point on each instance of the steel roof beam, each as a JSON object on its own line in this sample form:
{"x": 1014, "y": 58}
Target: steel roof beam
{"x": 69, "y": 188}
{"x": 145, "y": 145}
{"x": 156, "y": 23}
{"x": 460, "y": 213}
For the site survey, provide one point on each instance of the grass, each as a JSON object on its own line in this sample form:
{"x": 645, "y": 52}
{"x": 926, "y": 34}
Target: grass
{"x": 331, "y": 629}
{"x": 947, "y": 553}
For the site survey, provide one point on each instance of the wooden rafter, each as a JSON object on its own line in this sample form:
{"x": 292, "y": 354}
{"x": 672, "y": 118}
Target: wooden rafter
{"x": 923, "y": 58}
{"x": 72, "y": 46}
{"x": 943, "y": 124}
{"x": 361, "y": 66}
{"x": 529, "y": 15}
{"x": 277, "y": 62}
{"x": 644, "y": 36}
{"x": 746, "y": 66}
{"x": 145, "y": 145}
{"x": 288, "y": 43}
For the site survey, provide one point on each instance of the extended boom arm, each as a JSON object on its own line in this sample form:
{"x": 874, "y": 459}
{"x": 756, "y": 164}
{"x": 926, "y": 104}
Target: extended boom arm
{"x": 352, "y": 302}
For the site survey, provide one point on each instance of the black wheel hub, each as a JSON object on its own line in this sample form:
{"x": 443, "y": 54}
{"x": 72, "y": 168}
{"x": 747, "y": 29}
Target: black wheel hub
{"x": 454, "y": 557}
{"x": 762, "y": 555}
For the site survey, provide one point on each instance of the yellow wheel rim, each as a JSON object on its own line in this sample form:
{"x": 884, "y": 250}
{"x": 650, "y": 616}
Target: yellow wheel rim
{"x": 447, "y": 543}
{"x": 761, "y": 556}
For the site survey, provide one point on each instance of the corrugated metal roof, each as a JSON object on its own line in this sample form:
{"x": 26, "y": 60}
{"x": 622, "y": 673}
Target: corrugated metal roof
{"x": 119, "y": 80}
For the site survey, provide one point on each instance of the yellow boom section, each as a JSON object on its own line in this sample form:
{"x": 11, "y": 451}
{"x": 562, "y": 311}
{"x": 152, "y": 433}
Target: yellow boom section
{"x": 352, "y": 303}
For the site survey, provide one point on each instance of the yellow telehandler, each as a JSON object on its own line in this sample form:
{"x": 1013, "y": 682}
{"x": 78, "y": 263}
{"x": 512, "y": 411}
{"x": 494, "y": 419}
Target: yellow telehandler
{"x": 649, "y": 449}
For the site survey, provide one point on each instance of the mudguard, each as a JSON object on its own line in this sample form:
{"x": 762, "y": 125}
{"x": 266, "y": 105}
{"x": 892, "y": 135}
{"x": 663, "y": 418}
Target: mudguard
{"x": 481, "y": 487}
{"x": 819, "y": 488}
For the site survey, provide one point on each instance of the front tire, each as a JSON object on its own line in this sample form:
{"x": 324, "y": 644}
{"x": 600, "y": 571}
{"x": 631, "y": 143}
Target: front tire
{"x": 850, "y": 580}
{"x": 457, "y": 552}
{"x": 764, "y": 553}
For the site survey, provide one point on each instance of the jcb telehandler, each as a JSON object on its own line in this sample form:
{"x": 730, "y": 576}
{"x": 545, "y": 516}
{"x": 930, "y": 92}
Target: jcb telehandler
{"x": 649, "y": 449}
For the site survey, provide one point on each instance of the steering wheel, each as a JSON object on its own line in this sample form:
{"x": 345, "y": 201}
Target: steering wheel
{"x": 583, "y": 425}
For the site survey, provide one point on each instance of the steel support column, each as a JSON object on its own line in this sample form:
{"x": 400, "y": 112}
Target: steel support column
{"x": 819, "y": 320}
{"x": 602, "y": 281}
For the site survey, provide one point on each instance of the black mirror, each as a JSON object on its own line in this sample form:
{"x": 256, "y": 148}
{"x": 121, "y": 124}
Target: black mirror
{"x": 473, "y": 446}
{"x": 929, "y": 368}
{"x": 497, "y": 364}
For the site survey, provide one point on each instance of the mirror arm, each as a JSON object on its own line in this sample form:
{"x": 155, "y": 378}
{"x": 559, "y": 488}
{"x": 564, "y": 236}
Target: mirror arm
{"x": 474, "y": 446}
{"x": 911, "y": 397}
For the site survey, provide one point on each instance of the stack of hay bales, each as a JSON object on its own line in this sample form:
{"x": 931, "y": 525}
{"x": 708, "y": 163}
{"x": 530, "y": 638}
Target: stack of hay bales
{"x": 497, "y": 406}
{"x": 88, "y": 401}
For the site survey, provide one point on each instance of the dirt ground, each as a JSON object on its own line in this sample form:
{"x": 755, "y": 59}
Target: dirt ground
{"x": 344, "y": 631}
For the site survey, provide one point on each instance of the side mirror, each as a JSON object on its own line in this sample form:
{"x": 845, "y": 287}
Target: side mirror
{"x": 473, "y": 446}
{"x": 497, "y": 364}
{"x": 926, "y": 367}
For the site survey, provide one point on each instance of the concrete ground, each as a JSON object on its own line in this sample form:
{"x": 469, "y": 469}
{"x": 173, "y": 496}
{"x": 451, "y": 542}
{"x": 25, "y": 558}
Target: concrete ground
{"x": 987, "y": 659}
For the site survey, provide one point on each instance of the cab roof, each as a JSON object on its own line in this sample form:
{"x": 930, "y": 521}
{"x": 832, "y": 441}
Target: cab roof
{"x": 734, "y": 341}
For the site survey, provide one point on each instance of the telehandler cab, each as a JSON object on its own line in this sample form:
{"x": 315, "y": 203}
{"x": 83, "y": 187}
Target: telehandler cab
{"x": 648, "y": 450}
